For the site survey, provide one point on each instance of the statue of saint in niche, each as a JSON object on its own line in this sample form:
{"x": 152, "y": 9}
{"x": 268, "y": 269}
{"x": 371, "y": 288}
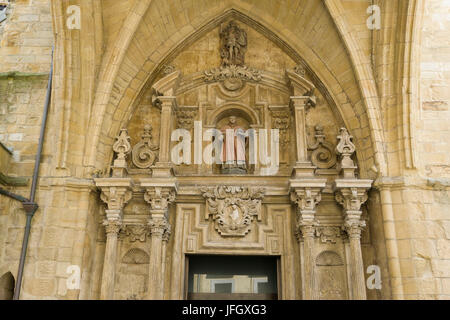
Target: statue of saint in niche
{"x": 233, "y": 45}
{"x": 233, "y": 150}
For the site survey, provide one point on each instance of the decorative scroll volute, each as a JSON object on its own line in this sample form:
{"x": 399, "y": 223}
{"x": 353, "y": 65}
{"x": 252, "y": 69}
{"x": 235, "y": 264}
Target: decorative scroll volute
{"x": 233, "y": 208}
{"x": 322, "y": 155}
{"x": 143, "y": 154}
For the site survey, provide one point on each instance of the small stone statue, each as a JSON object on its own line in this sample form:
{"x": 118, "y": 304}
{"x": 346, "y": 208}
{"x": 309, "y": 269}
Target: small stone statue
{"x": 233, "y": 45}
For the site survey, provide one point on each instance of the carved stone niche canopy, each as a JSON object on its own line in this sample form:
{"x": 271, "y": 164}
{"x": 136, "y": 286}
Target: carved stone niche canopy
{"x": 233, "y": 208}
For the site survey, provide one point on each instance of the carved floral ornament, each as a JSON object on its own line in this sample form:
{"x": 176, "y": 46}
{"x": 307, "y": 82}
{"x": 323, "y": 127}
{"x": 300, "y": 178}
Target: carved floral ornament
{"x": 233, "y": 77}
{"x": 233, "y": 208}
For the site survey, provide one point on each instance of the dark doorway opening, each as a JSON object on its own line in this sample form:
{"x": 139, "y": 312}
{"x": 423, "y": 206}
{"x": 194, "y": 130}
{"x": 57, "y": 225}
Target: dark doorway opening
{"x": 7, "y": 284}
{"x": 232, "y": 277}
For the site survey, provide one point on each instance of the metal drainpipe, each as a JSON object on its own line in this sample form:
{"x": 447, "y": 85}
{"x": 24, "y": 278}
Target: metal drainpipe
{"x": 31, "y": 206}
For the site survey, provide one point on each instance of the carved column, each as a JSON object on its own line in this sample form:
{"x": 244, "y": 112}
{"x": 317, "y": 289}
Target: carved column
{"x": 159, "y": 198}
{"x": 115, "y": 193}
{"x": 300, "y": 101}
{"x": 168, "y": 104}
{"x": 351, "y": 195}
{"x": 306, "y": 195}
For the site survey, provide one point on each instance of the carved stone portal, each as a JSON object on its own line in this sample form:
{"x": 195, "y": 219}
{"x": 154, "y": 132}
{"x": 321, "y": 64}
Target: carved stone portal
{"x": 233, "y": 208}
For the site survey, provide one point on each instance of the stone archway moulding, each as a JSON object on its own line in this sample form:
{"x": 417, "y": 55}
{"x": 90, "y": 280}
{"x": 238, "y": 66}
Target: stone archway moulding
{"x": 324, "y": 78}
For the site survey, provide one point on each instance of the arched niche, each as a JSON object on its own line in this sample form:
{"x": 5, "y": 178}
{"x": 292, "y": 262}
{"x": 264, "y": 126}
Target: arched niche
{"x": 7, "y": 284}
{"x": 249, "y": 117}
{"x": 331, "y": 281}
{"x": 132, "y": 275}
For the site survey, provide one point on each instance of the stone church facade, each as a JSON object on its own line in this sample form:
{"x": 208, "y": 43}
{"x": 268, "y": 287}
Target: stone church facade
{"x": 225, "y": 149}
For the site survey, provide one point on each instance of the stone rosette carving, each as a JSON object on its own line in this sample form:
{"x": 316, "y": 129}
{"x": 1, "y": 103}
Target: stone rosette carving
{"x": 144, "y": 153}
{"x": 233, "y": 208}
{"x": 322, "y": 155}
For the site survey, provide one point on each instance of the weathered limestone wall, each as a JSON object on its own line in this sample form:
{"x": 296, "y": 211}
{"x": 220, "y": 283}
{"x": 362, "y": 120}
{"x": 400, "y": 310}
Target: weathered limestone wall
{"x": 27, "y": 38}
{"x": 434, "y": 142}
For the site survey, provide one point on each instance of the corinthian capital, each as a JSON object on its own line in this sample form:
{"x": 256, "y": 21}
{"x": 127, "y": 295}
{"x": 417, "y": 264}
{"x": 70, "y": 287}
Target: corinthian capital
{"x": 354, "y": 227}
{"x": 159, "y": 198}
{"x": 306, "y": 196}
{"x": 159, "y": 226}
{"x": 115, "y": 192}
{"x": 115, "y": 197}
{"x": 351, "y": 199}
{"x": 113, "y": 222}
{"x": 306, "y": 199}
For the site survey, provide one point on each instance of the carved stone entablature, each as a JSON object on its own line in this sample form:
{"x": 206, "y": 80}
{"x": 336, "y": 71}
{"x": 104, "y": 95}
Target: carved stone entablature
{"x": 186, "y": 117}
{"x": 233, "y": 44}
{"x": 328, "y": 234}
{"x": 345, "y": 150}
{"x": 322, "y": 155}
{"x": 144, "y": 153}
{"x": 233, "y": 208}
{"x": 115, "y": 192}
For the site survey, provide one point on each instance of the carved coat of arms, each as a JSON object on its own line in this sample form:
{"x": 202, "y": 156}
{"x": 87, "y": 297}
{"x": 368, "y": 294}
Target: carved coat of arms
{"x": 233, "y": 208}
